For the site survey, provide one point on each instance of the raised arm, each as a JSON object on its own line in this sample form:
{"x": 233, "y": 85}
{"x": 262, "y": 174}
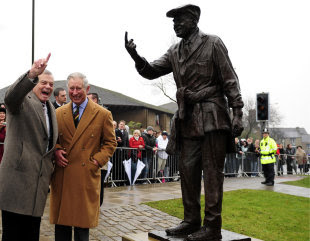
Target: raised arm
{"x": 38, "y": 67}
{"x": 15, "y": 94}
{"x": 131, "y": 49}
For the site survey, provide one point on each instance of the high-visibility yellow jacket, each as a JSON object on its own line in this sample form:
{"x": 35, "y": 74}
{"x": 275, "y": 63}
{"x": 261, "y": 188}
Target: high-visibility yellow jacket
{"x": 268, "y": 149}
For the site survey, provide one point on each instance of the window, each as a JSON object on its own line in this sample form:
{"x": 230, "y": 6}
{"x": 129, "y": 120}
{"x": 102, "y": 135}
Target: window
{"x": 293, "y": 141}
{"x": 157, "y": 120}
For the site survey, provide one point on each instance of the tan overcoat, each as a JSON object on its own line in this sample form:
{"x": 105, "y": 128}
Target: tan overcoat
{"x": 75, "y": 189}
{"x": 301, "y": 157}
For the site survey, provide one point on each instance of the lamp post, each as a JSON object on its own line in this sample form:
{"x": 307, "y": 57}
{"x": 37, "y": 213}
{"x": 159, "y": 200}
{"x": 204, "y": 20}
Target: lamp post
{"x": 33, "y": 15}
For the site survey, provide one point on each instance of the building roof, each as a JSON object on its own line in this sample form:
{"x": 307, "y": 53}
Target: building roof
{"x": 291, "y": 132}
{"x": 172, "y": 106}
{"x": 305, "y": 138}
{"x": 107, "y": 97}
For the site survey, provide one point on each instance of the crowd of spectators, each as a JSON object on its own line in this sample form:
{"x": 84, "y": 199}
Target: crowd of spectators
{"x": 146, "y": 145}
{"x": 246, "y": 160}
{"x": 150, "y": 148}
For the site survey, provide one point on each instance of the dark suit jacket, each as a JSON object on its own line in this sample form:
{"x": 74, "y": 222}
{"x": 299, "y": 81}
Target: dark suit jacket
{"x": 55, "y": 105}
{"x": 124, "y": 136}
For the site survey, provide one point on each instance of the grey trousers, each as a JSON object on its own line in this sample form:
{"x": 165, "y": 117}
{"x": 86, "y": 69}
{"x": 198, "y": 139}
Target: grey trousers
{"x": 205, "y": 154}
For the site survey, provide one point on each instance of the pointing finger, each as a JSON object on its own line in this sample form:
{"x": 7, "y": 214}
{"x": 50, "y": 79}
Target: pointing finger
{"x": 47, "y": 58}
{"x": 126, "y": 37}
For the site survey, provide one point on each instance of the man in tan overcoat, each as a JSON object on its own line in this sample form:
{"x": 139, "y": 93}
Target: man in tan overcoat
{"x": 86, "y": 142}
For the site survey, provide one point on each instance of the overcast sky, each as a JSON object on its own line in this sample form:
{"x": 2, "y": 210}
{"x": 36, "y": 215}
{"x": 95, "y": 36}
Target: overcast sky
{"x": 268, "y": 42}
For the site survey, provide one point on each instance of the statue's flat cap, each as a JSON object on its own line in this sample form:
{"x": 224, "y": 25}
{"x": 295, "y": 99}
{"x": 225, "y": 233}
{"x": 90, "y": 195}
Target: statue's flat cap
{"x": 189, "y": 8}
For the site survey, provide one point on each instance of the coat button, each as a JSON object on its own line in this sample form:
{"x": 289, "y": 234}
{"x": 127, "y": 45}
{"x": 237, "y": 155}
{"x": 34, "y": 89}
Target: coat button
{"x": 83, "y": 164}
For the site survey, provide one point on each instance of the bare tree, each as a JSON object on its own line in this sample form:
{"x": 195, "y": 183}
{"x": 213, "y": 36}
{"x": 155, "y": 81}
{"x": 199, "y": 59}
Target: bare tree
{"x": 275, "y": 117}
{"x": 166, "y": 85}
{"x": 249, "y": 117}
{"x": 277, "y": 134}
{"x": 251, "y": 126}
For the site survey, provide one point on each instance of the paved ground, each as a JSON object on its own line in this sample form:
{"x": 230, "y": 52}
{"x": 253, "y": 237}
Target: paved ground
{"x": 122, "y": 212}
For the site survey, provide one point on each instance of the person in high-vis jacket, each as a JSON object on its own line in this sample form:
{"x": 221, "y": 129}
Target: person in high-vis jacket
{"x": 268, "y": 149}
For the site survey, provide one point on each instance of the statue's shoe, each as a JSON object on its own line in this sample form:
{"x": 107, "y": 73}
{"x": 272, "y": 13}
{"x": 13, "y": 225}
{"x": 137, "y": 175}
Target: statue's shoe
{"x": 183, "y": 228}
{"x": 205, "y": 234}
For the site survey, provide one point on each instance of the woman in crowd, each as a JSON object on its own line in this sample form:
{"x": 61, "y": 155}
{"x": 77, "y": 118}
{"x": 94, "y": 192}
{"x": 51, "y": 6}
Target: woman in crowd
{"x": 301, "y": 159}
{"x": 135, "y": 142}
{"x": 252, "y": 158}
{"x": 2, "y": 130}
{"x": 246, "y": 163}
{"x": 237, "y": 162}
{"x": 290, "y": 159}
{"x": 281, "y": 160}
{"x": 162, "y": 142}
{"x": 256, "y": 157}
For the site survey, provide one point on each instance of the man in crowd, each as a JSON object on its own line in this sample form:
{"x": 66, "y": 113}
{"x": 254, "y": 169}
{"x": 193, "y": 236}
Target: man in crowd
{"x": 122, "y": 138}
{"x": 27, "y": 166}
{"x": 94, "y": 97}
{"x": 268, "y": 149}
{"x": 202, "y": 130}
{"x": 86, "y": 142}
{"x": 150, "y": 149}
{"x": 123, "y": 134}
{"x": 60, "y": 97}
{"x": 290, "y": 159}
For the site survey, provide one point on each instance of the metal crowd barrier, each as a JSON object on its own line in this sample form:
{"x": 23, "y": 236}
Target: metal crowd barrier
{"x": 236, "y": 165}
{"x": 118, "y": 175}
{"x": 289, "y": 164}
{"x": 248, "y": 165}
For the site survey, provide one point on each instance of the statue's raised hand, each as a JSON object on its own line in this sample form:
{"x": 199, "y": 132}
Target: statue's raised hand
{"x": 130, "y": 46}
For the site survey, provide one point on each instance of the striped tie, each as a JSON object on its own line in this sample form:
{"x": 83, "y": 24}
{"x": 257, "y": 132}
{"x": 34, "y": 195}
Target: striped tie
{"x": 76, "y": 115}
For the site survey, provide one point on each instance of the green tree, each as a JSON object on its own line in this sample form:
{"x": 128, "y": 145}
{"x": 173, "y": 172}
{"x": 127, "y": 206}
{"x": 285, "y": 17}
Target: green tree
{"x": 134, "y": 126}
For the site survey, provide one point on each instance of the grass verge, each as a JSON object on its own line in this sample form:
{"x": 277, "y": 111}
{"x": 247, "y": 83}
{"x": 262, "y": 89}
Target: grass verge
{"x": 260, "y": 214}
{"x": 305, "y": 182}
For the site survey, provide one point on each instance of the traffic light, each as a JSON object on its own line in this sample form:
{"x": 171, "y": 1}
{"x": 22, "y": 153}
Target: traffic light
{"x": 262, "y": 107}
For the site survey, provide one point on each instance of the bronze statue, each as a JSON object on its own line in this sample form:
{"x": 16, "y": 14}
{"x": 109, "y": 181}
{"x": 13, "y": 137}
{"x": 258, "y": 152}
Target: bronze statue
{"x": 202, "y": 132}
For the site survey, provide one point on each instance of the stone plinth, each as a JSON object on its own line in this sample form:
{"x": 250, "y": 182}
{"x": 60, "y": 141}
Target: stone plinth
{"x": 226, "y": 236}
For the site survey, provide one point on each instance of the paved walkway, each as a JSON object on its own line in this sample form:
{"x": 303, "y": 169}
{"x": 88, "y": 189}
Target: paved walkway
{"x": 122, "y": 212}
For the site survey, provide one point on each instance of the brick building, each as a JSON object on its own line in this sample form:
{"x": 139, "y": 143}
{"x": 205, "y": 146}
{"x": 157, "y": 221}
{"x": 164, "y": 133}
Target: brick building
{"x": 124, "y": 107}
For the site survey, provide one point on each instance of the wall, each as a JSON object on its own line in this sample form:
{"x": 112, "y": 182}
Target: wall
{"x": 147, "y": 117}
